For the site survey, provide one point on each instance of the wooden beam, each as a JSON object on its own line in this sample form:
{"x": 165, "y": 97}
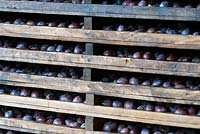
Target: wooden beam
{"x": 182, "y": 96}
{"x": 30, "y": 126}
{"x": 167, "y": 119}
{"x": 87, "y": 72}
{"x": 101, "y": 36}
{"x": 158, "y": 94}
{"x": 101, "y": 62}
{"x": 43, "y": 82}
{"x": 90, "y": 120}
{"x": 17, "y": 129}
{"x": 97, "y": 10}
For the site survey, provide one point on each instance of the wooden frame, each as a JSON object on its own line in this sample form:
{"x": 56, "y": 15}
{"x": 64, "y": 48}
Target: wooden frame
{"x": 87, "y": 72}
{"x": 183, "y": 96}
{"x": 98, "y": 10}
{"x": 102, "y": 62}
{"x": 32, "y": 127}
{"x": 88, "y": 61}
{"x": 101, "y": 36}
{"x": 102, "y": 112}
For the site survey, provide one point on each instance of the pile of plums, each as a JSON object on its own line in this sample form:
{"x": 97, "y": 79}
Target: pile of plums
{"x": 44, "y": 117}
{"x": 153, "y": 3}
{"x": 59, "y": 1}
{"x": 128, "y": 128}
{"x": 35, "y": 69}
{"x": 159, "y": 28}
{"x": 45, "y": 94}
{"x": 78, "y": 49}
{"x": 160, "y": 56}
{"x": 177, "y": 83}
{"x": 57, "y": 23}
{"x": 150, "y": 106}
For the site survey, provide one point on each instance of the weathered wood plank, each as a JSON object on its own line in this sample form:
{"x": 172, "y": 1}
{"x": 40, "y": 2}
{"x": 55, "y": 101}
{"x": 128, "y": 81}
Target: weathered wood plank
{"x": 103, "y": 112}
{"x": 148, "y": 117}
{"x": 44, "y": 7}
{"x": 42, "y": 128}
{"x": 21, "y": 130}
{"x": 87, "y": 72}
{"x": 170, "y": 95}
{"x": 188, "y": 14}
{"x": 102, "y": 37}
{"x": 101, "y": 62}
{"x": 44, "y": 105}
{"x": 40, "y": 57}
{"x": 89, "y": 120}
{"x": 144, "y": 66}
{"x": 43, "y": 82}
{"x": 158, "y": 94}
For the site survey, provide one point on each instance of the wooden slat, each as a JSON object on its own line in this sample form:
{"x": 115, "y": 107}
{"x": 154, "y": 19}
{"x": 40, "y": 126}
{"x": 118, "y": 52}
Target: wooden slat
{"x": 102, "y": 37}
{"x": 145, "y": 66}
{"x": 44, "y": 7}
{"x": 43, "y": 82}
{"x": 183, "y": 96}
{"x": 188, "y": 14}
{"x": 29, "y": 126}
{"x": 149, "y": 117}
{"x": 40, "y": 57}
{"x": 45, "y": 105}
{"x": 21, "y": 130}
{"x": 102, "y": 112}
{"x": 87, "y": 72}
{"x": 101, "y": 62}
{"x": 146, "y": 93}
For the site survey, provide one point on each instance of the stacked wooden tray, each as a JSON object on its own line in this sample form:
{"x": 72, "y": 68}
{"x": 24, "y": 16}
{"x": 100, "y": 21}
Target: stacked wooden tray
{"x": 89, "y": 61}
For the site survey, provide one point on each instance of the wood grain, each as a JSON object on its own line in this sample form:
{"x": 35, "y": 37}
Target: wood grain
{"x": 102, "y": 112}
{"x": 89, "y": 61}
{"x": 101, "y": 36}
{"x": 43, "y": 82}
{"x": 101, "y": 62}
{"x": 97, "y": 10}
{"x": 17, "y": 129}
{"x": 170, "y": 95}
{"x": 28, "y": 126}
{"x": 87, "y": 72}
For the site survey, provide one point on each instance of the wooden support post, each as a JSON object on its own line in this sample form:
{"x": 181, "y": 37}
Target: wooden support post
{"x": 87, "y": 72}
